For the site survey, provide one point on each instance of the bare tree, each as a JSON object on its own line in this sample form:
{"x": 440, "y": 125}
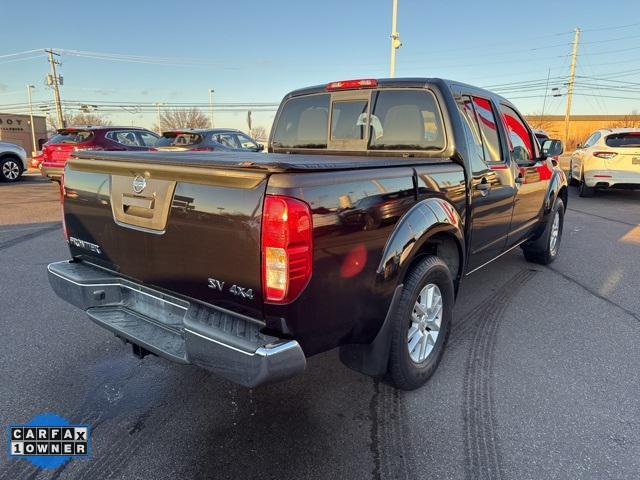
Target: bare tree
{"x": 86, "y": 119}
{"x": 259, "y": 133}
{"x": 183, "y": 118}
{"x": 631, "y": 120}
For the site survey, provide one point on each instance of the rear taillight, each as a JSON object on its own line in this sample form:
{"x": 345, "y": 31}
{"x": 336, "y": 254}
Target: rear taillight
{"x": 605, "y": 155}
{"x": 64, "y": 223}
{"x": 287, "y": 248}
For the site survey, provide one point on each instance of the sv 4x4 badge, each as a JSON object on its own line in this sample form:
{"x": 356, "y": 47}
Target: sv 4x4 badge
{"x": 234, "y": 289}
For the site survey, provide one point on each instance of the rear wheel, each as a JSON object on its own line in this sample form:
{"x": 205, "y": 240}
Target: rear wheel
{"x": 421, "y": 324}
{"x": 10, "y": 169}
{"x": 584, "y": 190}
{"x": 545, "y": 249}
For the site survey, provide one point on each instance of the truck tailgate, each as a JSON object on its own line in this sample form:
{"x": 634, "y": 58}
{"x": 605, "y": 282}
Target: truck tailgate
{"x": 189, "y": 229}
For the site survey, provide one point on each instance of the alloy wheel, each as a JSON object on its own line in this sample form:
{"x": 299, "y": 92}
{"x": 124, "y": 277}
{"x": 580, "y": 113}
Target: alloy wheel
{"x": 10, "y": 170}
{"x": 426, "y": 319}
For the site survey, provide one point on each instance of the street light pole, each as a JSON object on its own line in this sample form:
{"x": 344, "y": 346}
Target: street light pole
{"x": 395, "y": 39}
{"x": 33, "y": 131}
{"x": 158, "y": 105}
{"x": 211, "y": 92}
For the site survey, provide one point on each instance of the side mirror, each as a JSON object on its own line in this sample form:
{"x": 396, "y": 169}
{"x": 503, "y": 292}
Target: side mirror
{"x": 578, "y": 146}
{"x": 260, "y": 147}
{"x": 552, "y": 148}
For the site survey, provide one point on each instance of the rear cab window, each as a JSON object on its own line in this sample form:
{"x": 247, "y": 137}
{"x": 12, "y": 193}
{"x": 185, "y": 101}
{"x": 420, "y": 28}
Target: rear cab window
{"x": 623, "y": 140}
{"x": 406, "y": 119}
{"x": 72, "y": 136}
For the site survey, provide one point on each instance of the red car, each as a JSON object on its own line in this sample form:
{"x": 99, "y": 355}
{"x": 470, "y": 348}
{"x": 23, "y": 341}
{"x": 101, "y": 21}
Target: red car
{"x": 68, "y": 140}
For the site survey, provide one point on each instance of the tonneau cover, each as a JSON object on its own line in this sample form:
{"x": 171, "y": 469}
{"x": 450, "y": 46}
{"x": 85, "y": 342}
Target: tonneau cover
{"x": 270, "y": 162}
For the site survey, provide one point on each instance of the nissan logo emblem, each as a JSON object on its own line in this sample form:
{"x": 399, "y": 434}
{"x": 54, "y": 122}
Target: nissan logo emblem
{"x": 139, "y": 183}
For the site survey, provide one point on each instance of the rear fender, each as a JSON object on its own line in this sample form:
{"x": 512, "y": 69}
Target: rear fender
{"x": 428, "y": 218}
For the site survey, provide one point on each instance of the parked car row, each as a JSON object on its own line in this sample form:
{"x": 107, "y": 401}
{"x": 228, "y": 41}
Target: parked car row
{"x": 53, "y": 157}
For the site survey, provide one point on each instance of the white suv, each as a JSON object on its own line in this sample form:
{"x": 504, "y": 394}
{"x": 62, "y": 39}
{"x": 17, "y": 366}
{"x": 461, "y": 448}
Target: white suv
{"x": 609, "y": 158}
{"x": 13, "y": 162}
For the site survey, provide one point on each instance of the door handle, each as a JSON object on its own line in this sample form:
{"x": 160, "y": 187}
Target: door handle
{"x": 483, "y": 187}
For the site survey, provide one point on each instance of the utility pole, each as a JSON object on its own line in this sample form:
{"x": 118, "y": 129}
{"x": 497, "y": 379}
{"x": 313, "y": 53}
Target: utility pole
{"x": 33, "y": 131}
{"x": 158, "y": 105}
{"x": 56, "y": 90}
{"x": 211, "y": 92}
{"x": 572, "y": 76}
{"x": 395, "y": 39}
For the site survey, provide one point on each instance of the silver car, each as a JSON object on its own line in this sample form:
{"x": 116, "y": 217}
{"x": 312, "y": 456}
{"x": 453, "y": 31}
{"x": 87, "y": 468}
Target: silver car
{"x": 13, "y": 162}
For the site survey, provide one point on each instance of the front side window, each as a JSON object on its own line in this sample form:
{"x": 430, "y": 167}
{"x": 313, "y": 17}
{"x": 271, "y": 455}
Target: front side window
{"x": 349, "y": 120}
{"x": 303, "y": 122}
{"x": 591, "y": 140}
{"x": 125, "y": 137}
{"x": 488, "y": 130}
{"x": 405, "y": 120}
{"x": 148, "y": 139}
{"x": 519, "y": 137}
{"x": 246, "y": 142}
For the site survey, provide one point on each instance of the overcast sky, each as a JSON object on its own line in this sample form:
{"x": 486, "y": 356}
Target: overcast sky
{"x": 257, "y": 51}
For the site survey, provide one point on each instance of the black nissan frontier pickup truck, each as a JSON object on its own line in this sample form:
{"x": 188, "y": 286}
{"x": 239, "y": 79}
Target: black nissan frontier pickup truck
{"x": 375, "y": 199}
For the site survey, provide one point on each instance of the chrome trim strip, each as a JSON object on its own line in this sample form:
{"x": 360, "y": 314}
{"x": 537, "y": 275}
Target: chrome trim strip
{"x": 495, "y": 258}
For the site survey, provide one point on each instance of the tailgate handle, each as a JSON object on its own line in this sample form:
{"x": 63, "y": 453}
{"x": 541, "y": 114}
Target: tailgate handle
{"x": 138, "y": 205}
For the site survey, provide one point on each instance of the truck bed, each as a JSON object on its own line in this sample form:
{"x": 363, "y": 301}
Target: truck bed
{"x": 265, "y": 162}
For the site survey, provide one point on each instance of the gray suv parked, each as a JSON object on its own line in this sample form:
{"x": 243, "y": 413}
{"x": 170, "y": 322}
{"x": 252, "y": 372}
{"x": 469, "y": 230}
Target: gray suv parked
{"x": 13, "y": 162}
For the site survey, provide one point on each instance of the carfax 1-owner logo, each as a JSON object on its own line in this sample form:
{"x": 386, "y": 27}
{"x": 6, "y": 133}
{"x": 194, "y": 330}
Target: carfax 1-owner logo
{"x": 48, "y": 441}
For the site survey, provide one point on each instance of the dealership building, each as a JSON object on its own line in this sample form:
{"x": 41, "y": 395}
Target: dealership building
{"x": 17, "y": 129}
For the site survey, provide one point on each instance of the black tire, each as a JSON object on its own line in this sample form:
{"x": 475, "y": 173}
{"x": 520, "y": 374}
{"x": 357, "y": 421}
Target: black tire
{"x": 583, "y": 190}
{"x": 570, "y": 180}
{"x": 10, "y": 169}
{"x": 541, "y": 251}
{"x": 404, "y": 372}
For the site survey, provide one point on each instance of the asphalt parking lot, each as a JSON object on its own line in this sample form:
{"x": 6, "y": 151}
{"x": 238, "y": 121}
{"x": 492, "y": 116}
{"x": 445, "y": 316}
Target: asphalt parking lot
{"x": 541, "y": 378}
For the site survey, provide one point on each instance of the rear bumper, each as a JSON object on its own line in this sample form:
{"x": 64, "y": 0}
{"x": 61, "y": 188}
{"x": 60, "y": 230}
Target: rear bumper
{"x": 54, "y": 173}
{"x": 612, "y": 178}
{"x": 185, "y": 332}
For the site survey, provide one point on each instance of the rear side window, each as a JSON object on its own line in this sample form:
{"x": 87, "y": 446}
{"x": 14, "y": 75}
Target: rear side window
{"x": 74, "y": 136}
{"x": 519, "y": 138}
{"x": 621, "y": 140}
{"x": 303, "y": 123}
{"x": 472, "y": 132}
{"x": 488, "y": 130}
{"x": 226, "y": 139}
{"x": 405, "y": 120}
{"x": 173, "y": 139}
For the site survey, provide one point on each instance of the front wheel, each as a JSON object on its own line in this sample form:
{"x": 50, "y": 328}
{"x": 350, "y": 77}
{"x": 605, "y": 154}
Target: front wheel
{"x": 10, "y": 170}
{"x": 421, "y": 324}
{"x": 544, "y": 250}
